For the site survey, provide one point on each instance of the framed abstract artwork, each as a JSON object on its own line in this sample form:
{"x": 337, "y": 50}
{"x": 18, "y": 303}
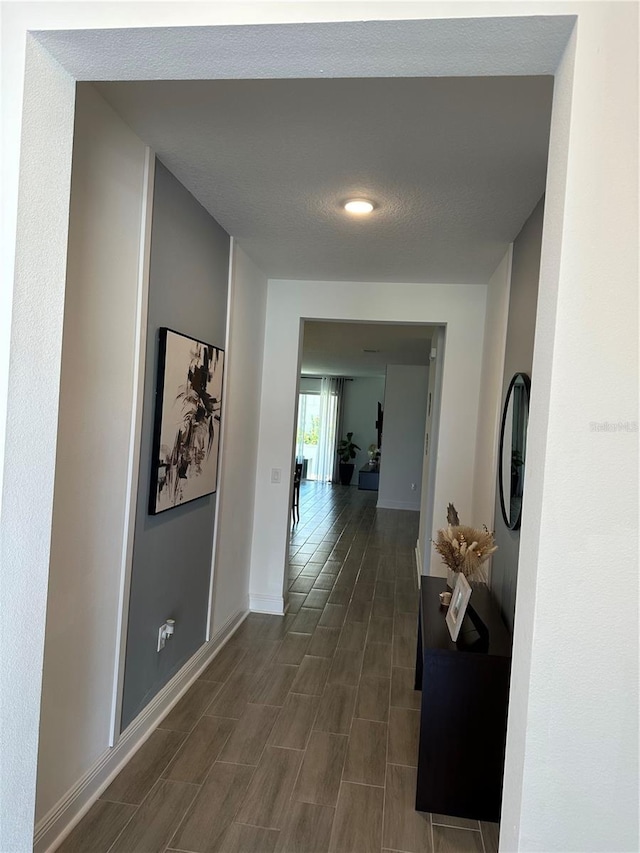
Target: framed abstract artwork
{"x": 188, "y": 412}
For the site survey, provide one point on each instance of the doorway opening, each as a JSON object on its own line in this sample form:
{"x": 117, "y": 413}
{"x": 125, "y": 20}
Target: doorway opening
{"x": 370, "y": 390}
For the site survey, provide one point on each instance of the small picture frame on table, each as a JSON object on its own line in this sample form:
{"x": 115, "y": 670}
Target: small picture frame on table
{"x": 458, "y": 606}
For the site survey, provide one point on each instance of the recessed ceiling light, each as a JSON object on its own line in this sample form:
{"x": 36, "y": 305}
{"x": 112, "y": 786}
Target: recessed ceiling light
{"x": 358, "y": 206}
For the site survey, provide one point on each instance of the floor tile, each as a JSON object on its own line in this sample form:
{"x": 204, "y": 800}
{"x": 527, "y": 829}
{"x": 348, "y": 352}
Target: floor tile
{"x": 317, "y": 598}
{"x": 224, "y": 662}
{"x": 307, "y": 829}
{"x": 293, "y": 648}
{"x": 325, "y": 580}
{"x": 490, "y": 835}
{"x": 199, "y": 751}
{"x": 448, "y": 840}
{"x": 313, "y": 567}
{"x": 277, "y": 627}
{"x": 346, "y": 667}
{"x": 377, "y": 660}
{"x": 335, "y": 710}
{"x": 302, "y": 584}
{"x": 363, "y": 590}
{"x": 153, "y": 824}
{"x": 232, "y": 699}
{"x": 353, "y": 636}
{"x": 455, "y": 822}
{"x": 382, "y": 607}
{"x": 269, "y": 791}
{"x": 405, "y": 587}
{"x": 247, "y": 741}
{"x": 406, "y": 603}
{"x": 214, "y": 809}
{"x": 380, "y": 629}
{"x": 98, "y": 829}
{"x": 273, "y": 686}
{"x": 321, "y": 771}
{"x": 241, "y": 838}
{"x": 323, "y": 642}
{"x": 406, "y": 568}
{"x": 134, "y": 782}
{"x": 373, "y": 698}
{"x": 405, "y": 625}
{"x": 295, "y": 720}
{"x": 333, "y": 616}
{"x": 359, "y": 611}
{"x": 404, "y": 651}
{"x": 404, "y": 828}
{"x": 403, "y": 736}
{"x": 188, "y": 710}
{"x": 340, "y": 595}
{"x": 385, "y": 589}
{"x": 306, "y": 620}
{"x": 259, "y": 655}
{"x": 366, "y": 753}
{"x": 312, "y": 675}
{"x": 357, "y": 825}
{"x": 402, "y": 693}
{"x": 295, "y": 601}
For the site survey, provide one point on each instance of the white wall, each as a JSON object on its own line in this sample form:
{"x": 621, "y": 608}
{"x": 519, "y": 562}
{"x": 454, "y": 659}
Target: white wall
{"x": 92, "y": 455}
{"x": 495, "y": 335}
{"x": 38, "y": 308}
{"x": 572, "y": 749}
{"x": 571, "y": 773}
{"x": 405, "y": 412}
{"x": 248, "y": 298}
{"x": 518, "y": 358}
{"x": 427, "y": 497}
{"x": 461, "y": 307}
{"x": 360, "y": 407}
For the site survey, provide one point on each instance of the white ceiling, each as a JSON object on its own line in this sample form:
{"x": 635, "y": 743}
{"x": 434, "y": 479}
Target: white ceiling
{"x": 338, "y": 349}
{"x": 455, "y": 166}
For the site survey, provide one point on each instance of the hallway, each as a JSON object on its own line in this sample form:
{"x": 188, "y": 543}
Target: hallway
{"x": 301, "y": 735}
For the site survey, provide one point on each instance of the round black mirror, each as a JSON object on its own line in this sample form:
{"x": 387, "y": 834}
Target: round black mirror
{"x": 513, "y": 449}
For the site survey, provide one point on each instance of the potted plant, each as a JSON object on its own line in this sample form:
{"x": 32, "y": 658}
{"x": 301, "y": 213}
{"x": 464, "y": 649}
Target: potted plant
{"x": 374, "y": 454}
{"x": 346, "y": 452}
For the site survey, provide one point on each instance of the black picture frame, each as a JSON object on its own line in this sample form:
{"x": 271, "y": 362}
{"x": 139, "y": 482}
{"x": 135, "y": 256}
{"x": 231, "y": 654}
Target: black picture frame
{"x": 187, "y": 420}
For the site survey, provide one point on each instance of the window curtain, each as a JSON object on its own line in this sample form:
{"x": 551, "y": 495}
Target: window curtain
{"x": 339, "y": 427}
{"x": 331, "y": 390}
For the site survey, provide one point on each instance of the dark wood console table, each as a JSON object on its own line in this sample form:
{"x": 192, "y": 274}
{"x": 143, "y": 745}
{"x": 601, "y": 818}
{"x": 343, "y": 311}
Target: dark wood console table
{"x": 463, "y": 716}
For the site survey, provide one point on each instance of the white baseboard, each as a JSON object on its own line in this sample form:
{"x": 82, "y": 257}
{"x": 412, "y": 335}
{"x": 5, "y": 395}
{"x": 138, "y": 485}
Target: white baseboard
{"x": 54, "y": 827}
{"x": 386, "y": 504}
{"x": 273, "y": 604}
{"x": 418, "y": 554}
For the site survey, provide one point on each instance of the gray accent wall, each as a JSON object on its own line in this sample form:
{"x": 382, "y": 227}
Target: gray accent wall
{"x": 521, "y": 324}
{"x": 172, "y": 552}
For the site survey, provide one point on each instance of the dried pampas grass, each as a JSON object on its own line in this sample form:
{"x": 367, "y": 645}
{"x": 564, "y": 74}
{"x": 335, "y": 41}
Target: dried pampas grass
{"x": 465, "y": 549}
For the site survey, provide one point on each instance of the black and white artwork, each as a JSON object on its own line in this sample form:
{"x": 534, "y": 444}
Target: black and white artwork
{"x": 187, "y": 421}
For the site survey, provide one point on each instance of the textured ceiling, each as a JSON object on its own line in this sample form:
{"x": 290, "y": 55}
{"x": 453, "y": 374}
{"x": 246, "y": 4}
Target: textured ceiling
{"x": 337, "y": 349}
{"x": 455, "y": 166}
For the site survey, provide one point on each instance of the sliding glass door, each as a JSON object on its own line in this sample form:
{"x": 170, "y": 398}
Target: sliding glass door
{"x": 317, "y": 425}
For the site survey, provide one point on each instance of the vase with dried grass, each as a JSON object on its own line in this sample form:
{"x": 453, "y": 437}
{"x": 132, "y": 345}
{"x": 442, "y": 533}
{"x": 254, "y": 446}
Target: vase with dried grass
{"x": 464, "y": 549}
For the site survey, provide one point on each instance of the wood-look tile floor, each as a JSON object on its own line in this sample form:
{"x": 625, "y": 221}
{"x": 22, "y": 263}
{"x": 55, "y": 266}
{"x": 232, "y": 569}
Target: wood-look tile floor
{"x": 301, "y": 735}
